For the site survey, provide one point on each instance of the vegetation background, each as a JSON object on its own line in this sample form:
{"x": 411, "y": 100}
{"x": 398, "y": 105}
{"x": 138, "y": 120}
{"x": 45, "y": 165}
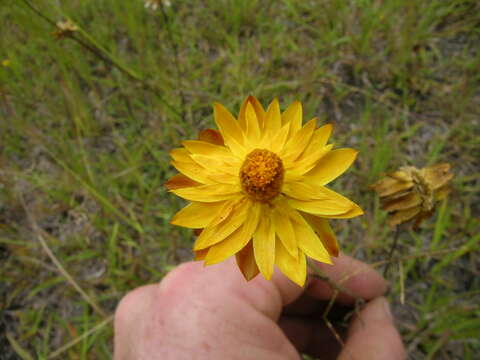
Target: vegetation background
{"x": 86, "y": 123}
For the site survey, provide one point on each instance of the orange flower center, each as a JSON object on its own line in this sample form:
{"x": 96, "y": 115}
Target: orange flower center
{"x": 261, "y": 175}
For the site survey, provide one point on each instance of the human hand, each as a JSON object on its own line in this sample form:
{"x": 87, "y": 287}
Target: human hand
{"x": 213, "y": 313}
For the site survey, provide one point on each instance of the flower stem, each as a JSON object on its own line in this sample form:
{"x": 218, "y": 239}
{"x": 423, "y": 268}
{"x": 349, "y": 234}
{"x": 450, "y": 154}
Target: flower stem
{"x": 392, "y": 250}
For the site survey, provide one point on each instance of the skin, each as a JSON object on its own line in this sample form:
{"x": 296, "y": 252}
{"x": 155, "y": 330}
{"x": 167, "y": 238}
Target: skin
{"x": 211, "y": 312}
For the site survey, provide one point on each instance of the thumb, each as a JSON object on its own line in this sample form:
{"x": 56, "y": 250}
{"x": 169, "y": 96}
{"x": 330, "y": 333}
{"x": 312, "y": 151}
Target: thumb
{"x": 372, "y": 335}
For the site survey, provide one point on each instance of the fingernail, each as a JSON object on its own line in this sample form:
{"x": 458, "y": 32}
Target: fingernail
{"x": 386, "y": 308}
{"x": 379, "y": 309}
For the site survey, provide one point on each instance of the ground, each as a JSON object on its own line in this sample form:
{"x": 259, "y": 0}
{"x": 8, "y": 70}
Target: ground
{"x": 86, "y": 124}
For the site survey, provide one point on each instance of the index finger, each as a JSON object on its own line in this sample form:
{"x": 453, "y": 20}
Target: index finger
{"x": 355, "y": 277}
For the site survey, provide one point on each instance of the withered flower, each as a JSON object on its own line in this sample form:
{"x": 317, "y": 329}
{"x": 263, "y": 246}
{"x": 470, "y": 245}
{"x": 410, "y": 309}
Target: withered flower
{"x": 155, "y": 4}
{"x": 409, "y": 194}
{"x": 65, "y": 28}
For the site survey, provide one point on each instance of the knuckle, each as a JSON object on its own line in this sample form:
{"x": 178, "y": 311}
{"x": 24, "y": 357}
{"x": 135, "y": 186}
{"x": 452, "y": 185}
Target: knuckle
{"x": 129, "y": 304}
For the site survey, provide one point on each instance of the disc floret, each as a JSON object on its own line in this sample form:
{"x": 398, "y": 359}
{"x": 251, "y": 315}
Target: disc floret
{"x": 261, "y": 175}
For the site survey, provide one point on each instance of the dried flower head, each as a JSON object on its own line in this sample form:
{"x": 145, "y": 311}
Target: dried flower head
{"x": 65, "y": 28}
{"x": 409, "y": 194}
{"x": 257, "y": 190}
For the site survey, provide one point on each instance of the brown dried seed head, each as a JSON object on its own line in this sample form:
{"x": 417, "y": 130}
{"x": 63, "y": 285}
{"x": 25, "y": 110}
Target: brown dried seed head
{"x": 410, "y": 194}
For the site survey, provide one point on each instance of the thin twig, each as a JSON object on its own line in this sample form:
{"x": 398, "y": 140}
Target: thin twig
{"x": 392, "y": 250}
{"x": 337, "y": 289}
{"x": 402, "y": 283}
{"x": 38, "y": 13}
{"x": 319, "y": 274}
{"x": 86, "y": 334}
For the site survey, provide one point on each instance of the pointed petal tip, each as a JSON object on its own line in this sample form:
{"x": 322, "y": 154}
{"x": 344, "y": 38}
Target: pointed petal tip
{"x": 335, "y": 253}
{"x": 219, "y": 107}
{"x": 356, "y": 210}
{"x": 200, "y": 255}
{"x": 268, "y": 276}
{"x": 179, "y": 181}
{"x": 298, "y": 281}
{"x": 275, "y": 103}
{"x": 327, "y": 261}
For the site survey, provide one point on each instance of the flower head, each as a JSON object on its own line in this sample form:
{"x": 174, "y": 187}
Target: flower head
{"x": 257, "y": 190}
{"x": 410, "y": 194}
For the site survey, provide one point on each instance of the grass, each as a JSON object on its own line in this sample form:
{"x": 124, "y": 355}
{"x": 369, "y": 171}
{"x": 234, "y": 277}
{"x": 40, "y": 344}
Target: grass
{"x": 84, "y": 142}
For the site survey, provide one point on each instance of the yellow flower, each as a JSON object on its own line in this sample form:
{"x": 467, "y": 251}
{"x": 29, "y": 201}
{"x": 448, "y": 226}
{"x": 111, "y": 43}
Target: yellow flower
{"x": 410, "y": 194}
{"x": 258, "y": 191}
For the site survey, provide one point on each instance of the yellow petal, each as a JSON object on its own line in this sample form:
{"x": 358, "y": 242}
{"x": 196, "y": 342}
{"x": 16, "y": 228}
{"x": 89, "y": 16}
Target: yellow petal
{"x": 193, "y": 171}
{"x": 297, "y": 144}
{"x": 208, "y": 193}
{"x": 205, "y": 148}
{"x": 294, "y": 268}
{"x": 277, "y": 142}
{"x": 246, "y": 262}
{"x": 230, "y": 129}
{"x": 181, "y": 155}
{"x": 332, "y": 165}
{"x": 253, "y": 129}
{"x": 213, "y": 165}
{"x": 259, "y": 111}
{"x": 264, "y": 246}
{"x": 325, "y": 208}
{"x": 308, "y": 241}
{"x": 199, "y": 215}
{"x": 283, "y": 227}
{"x": 226, "y": 248}
{"x": 308, "y": 161}
{"x": 319, "y": 140}
{"x": 226, "y": 210}
{"x": 273, "y": 120}
{"x": 237, "y": 240}
{"x": 294, "y": 116}
{"x": 321, "y": 135}
{"x": 353, "y": 212}
{"x": 324, "y": 232}
{"x": 320, "y": 199}
{"x": 212, "y": 235}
